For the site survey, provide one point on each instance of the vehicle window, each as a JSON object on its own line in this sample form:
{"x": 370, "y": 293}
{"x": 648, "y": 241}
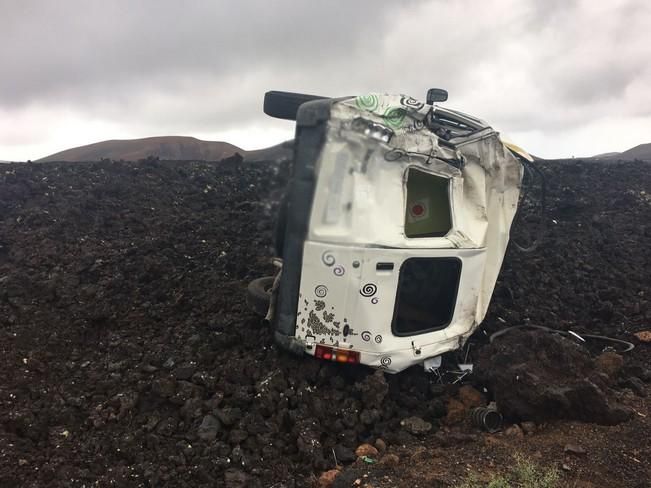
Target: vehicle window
{"x": 428, "y": 205}
{"x": 427, "y": 293}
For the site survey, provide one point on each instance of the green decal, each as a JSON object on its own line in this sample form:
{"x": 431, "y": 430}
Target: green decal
{"x": 367, "y": 102}
{"x": 394, "y": 117}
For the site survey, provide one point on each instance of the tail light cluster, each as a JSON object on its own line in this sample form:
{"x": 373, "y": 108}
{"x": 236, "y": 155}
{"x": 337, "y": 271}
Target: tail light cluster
{"x": 337, "y": 355}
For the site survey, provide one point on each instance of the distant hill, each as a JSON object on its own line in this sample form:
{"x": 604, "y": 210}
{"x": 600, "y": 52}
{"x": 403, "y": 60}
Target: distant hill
{"x": 606, "y": 155}
{"x": 168, "y": 147}
{"x": 279, "y": 152}
{"x": 641, "y": 151}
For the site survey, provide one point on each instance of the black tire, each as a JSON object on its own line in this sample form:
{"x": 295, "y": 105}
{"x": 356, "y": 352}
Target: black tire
{"x": 258, "y": 294}
{"x": 284, "y": 105}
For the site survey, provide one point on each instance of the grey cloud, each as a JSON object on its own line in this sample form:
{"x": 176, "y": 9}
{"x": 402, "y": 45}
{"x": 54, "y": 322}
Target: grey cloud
{"x": 82, "y": 50}
{"x": 582, "y": 61}
{"x": 202, "y": 66}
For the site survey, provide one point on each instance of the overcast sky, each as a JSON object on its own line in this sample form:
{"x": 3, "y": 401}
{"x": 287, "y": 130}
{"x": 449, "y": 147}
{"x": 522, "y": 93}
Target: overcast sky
{"x": 559, "y": 77}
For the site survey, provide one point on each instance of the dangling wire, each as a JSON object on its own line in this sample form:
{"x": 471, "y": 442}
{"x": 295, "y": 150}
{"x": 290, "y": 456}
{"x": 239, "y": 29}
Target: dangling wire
{"x": 617, "y": 345}
{"x": 529, "y": 169}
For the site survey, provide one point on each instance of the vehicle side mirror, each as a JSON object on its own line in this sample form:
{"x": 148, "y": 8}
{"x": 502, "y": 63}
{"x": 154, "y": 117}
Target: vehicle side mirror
{"x": 284, "y": 105}
{"x": 436, "y": 95}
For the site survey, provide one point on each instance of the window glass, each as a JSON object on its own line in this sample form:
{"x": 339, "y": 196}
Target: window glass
{"x": 428, "y": 205}
{"x": 427, "y": 295}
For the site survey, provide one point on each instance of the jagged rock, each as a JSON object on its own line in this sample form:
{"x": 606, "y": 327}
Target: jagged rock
{"x": 327, "y": 478}
{"x": 575, "y": 449}
{"x": 535, "y": 375}
{"x": 380, "y": 445}
{"x": 209, "y": 428}
{"x": 344, "y": 454}
{"x": 373, "y": 389}
{"x": 471, "y": 397}
{"x": 366, "y": 450}
{"x": 416, "y": 425}
{"x": 456, "y": 412}
{"x": 609, "y": 363}
{"x": 514, "y": 431}
{"x": 390, "y": 460}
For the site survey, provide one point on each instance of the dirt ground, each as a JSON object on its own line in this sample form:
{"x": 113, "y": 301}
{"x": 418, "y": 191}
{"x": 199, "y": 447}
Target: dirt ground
{"x": 129, "y": 357}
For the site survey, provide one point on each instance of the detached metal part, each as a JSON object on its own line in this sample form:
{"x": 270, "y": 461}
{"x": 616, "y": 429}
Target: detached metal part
{"x": 387, "y": 190}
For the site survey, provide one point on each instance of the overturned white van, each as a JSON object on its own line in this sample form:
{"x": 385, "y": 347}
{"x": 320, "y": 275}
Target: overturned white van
{"x": 394, "y": 228}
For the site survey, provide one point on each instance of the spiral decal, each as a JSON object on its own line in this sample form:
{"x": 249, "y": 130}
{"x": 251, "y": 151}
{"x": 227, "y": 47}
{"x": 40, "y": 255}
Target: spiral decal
{"x": 321, "y": 291}
{"x": 419, "y": 124}
{"x": 411, "y": 102}
{"x": 367, "y": 102}
{"x": 394, "y": 117}
{"x": 368, "y": 290}
{"x": 328, "y": 258}
{"x": 339, "y": 270}
{"x": 378, "y": 339}
{"x": 366, "y": 336}
{"x": 385, "y": 361}
{"x": 374, "y": 300}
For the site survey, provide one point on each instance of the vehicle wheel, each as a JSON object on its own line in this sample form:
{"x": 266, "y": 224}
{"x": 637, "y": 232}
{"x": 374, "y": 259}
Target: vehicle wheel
{"x": 258, "y": 294}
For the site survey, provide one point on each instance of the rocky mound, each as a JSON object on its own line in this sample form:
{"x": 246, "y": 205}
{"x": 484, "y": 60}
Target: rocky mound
{"x": 536, "y": 376}
{"x": 130, "y": 358}
{"x": 131, "y": 352}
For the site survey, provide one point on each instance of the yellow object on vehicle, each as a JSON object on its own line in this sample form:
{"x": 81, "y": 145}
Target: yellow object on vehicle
{"x": 517, "y": 150}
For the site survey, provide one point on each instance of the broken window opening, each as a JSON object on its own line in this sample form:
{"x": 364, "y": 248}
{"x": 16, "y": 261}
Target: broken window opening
{"x": 428, "y": 211}
{"x": 427, "y": 294}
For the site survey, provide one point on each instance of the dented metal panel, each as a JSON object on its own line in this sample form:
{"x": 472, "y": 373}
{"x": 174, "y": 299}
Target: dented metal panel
{"x": 358, "y": 220}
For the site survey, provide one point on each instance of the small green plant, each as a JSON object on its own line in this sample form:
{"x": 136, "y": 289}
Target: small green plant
{"x": 523, "y": 474}
{"x": 473, "y": 481}
{"x": 498, "y": 482}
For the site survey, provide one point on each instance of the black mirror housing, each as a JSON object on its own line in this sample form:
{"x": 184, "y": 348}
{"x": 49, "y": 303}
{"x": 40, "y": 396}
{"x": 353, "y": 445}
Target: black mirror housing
{"x": 436, "y": 95}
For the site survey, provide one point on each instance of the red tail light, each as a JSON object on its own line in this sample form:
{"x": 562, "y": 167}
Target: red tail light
{"x": 338, "y": 355}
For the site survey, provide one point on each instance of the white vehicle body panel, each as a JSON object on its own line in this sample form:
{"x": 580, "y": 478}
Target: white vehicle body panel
{"x": 358, "y": 220}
